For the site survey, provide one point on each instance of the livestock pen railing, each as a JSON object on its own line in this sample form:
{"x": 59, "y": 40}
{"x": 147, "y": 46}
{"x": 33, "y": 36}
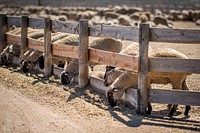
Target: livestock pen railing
{"x": 141, "y": 65}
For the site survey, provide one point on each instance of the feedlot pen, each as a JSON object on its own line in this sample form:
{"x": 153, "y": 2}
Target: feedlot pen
{"x": 141, "y": 65}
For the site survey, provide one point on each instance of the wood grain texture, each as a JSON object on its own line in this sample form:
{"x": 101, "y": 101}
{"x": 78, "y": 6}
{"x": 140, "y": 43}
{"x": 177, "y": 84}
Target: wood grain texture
{"x": 65, "y": 27}
{"x": 3, "y": 28}
{"x": 65, "y": 50}
{"x": 175, "y": 35}
{"x": 13, "y": 39}
{"x": 120, "y": 32}
{"x": 47, "y": 48}
{"x": 143, "y": 68}
{"x": 174, "y": 97}
{"x": 113, "y": 59}
{"x": 83, "y": 53}
{"x": 37, "y": 23}
{"x": 24, "y": 40}
{"x": 35, "y": 44}
{"x": 14, "y": 20}
{"x": 174, "y": 65}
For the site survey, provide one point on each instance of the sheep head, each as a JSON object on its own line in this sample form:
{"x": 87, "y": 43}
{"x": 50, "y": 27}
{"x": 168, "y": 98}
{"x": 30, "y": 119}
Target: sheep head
{"x": 6, "y": 58}
{"x": 108, "y": 77}
{"x": 40, "y": 61}
{"x": 66, "y": 77}
{"x": 113, "y": 95}
{"x": 27, "y": 65}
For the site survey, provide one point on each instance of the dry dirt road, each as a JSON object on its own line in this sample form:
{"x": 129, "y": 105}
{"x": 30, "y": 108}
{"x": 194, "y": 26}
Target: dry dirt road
{"x": 27, "y": 105}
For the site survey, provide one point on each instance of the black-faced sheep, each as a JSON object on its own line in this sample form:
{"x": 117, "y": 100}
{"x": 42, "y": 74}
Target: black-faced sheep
{"x": 107, "y": 44}
{"x": 39, "y": 58}
{"x": 132, "y": 50}
{"x": 31, "y": 61}
{"x": 7, "y": 55}
{"x": 128, "y": 79}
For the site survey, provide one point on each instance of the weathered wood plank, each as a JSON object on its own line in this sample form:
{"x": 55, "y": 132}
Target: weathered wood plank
{"x": 120, "y": 32}
{"x": 35, "y": 44}
{"x": 113, "y": 59}
{"x": 47, "y": 48}
{"x": 13, "y": 39}
{"x": 143, "y": 68}
{"x": 65, "y": 50}
{"x": 83, "y": 53}
{"x": 65, "y": 27}
{"x": 174, "y": 65}
{"x": 37, "y": 23}
{"x": 174, "y": 97}
{"x": 3, "y": 29}
{"x": 175, "y": 35}
{"x": 24, "y": 40}
{"x": 14, "y": 20}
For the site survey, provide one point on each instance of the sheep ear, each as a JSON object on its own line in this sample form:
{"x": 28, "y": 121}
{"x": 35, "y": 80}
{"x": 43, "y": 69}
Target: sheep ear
{"x": 115, "y": 90}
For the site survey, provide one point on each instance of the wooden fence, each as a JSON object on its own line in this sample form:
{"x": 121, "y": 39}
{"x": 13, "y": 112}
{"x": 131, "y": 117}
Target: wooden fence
{"x": 142, "y": 64}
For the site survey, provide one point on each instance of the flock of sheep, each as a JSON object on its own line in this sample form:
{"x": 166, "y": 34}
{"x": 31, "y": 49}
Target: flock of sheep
{"x": 116, "y": 79}
{"x": 116, "y": 15}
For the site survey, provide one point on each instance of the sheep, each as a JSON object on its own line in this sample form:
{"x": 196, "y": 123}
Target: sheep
{"x": 36, "y": 35}
{"x": 133, "y": 50}
{"x": 39, "y": 57}
{"x": 161, "y": 20}
{"x": 128, "y": 79}
{"x": 31, "y": 61}
{"x": 105, "y": 43}
{"x": 7, "y": 55}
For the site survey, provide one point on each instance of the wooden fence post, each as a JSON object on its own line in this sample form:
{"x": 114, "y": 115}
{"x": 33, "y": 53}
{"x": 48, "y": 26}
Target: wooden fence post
{"x": 3, "y": 29}
{"x": 143, "y": 68}
{"x": 83, "y": 53}
{"x": 24, "y": 40}
{"x": 47, "y": 48}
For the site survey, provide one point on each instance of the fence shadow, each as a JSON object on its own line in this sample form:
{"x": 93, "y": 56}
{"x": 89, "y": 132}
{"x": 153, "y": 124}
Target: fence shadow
{"x": 128, "y": 116}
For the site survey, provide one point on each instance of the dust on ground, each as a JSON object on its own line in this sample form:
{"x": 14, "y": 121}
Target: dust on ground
{"x": 32, "y": 103}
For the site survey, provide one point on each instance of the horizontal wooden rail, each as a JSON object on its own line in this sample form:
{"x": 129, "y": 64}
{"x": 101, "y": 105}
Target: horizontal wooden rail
{"x": 35, "y": 44}
{"x": 14, "y": 20}
{"x": 36, "y": 23}
{"x": 175, "y": 35}
{"x": 65, "y": 27}
{"x": 120, "y": 32}
{"x": 174, "y": 97}
{"x": 174, "y": 65}
{"x": 13, "y": 39}
{"x": 113, "y": 59}
{"x": 65, "y": 50}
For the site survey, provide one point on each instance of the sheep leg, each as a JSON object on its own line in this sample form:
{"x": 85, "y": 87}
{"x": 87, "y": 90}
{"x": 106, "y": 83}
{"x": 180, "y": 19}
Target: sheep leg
{"x": 173, "y": 109}
{"x": 187, "y": 107}
{"x": 149, "y": 108}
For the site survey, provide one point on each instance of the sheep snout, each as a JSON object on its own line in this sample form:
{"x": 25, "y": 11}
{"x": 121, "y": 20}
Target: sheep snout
{"x": 112, "y": 102}
{"x": 65, "y": 78}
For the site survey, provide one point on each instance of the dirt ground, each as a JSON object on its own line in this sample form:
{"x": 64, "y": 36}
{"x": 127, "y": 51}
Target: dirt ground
{"x": 31, "y": 103}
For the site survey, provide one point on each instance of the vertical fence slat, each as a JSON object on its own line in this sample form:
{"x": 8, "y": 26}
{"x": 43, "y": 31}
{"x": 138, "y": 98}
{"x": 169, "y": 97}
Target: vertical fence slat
{"x": 83, "y": 53}
{"x": 47, "y": 48}
{"x": 143, "y": 68}
{"x": 2, "y": 31}
{"x": 24, "y": 40}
